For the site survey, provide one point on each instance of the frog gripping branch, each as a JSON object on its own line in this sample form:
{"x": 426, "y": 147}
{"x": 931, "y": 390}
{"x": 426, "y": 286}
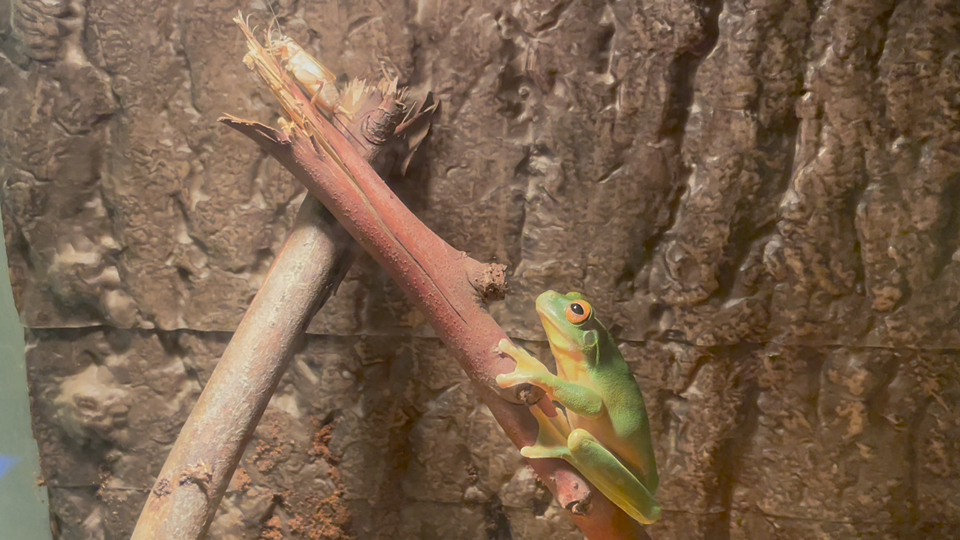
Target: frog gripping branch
{"x": 603, "y": 431}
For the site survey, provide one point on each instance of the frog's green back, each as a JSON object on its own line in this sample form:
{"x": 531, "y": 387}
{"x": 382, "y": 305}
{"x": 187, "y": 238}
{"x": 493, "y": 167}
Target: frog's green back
{"x": 632, "y": 411}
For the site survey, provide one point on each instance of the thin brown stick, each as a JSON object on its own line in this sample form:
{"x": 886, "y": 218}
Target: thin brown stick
{"x": 312, "y": 262}
{"x": 198, "y": 469}
{"x": 438, "y": 278}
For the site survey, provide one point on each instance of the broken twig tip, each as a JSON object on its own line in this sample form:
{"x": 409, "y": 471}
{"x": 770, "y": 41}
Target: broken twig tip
{"x": 579, "y": 508}
{"x": 489, "y": 280}
{"x": 573, "y": 494}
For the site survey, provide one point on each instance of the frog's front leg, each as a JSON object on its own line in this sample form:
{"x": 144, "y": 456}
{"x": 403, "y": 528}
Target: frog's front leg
{"x": 528, "y": 370}
{"x": 578, "y": 399}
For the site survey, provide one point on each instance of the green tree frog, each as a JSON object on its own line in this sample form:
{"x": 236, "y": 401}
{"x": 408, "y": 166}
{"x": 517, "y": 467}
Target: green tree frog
{"x": 604, "y": 432}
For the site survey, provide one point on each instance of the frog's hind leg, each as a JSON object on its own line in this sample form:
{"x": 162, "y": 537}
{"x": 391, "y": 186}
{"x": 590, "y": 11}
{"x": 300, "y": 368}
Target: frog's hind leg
{"x": 552, "y": 437}
{"x": 611, "y": 477}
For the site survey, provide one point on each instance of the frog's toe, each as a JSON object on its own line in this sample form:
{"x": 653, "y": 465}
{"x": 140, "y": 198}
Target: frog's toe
{"x": 513, "y": 378}
{"x": 507, "y": 347}
{"x": 540, "y": 451}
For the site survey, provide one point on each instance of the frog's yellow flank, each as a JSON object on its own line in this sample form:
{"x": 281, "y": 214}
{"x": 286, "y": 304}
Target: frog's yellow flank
{"x": 605, "y": 434}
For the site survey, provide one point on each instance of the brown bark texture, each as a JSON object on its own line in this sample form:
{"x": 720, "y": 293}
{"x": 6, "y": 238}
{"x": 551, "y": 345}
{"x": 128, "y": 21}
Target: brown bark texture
{"x": 308, "y": 268}
{"x": 760, "y": 198}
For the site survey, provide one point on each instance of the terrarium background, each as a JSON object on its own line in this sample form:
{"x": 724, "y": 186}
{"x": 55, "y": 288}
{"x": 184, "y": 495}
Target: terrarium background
{"x": 762, "y": 199}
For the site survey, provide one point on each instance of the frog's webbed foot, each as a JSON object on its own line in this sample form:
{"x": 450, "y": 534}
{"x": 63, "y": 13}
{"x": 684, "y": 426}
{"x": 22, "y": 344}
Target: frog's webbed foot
{"x": 529, "y": 369}
{"x": 611, "y": 477}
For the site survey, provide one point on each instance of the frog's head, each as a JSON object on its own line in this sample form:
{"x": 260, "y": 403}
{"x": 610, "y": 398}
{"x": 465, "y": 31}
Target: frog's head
{"x": 571, "y": 328}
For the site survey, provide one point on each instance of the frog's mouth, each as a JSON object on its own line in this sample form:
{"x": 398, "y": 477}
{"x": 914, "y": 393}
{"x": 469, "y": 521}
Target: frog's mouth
{"x": 554, "y": 322}
{"x": 555, "y": 335}
{"x": 566, "y": 351}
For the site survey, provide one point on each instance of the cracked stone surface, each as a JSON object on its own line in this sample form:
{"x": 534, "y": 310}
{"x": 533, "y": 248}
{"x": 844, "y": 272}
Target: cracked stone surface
{"x": 761, "y": 198}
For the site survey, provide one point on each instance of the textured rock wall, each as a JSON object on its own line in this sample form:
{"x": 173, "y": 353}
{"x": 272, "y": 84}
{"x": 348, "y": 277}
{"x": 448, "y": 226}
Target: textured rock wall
{"x": 762, "y": 197}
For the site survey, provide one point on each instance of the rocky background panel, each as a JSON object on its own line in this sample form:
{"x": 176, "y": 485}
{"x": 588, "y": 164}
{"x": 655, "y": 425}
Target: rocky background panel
{"x": 761, "y": 198}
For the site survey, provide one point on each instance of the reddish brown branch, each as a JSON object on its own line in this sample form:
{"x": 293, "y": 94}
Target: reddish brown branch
{"x": 439, "y": 279}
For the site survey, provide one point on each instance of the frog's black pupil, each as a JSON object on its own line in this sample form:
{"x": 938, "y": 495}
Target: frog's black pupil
{"x": 576, "y": 308}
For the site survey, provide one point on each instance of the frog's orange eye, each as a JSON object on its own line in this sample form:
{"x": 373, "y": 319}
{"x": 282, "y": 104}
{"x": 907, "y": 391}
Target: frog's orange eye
{"x": 578, "y": 312}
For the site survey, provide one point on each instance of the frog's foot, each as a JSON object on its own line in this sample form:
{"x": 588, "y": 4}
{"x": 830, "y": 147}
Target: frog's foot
{"x": 611, "y": 477}
{"x": 529, "y": 369}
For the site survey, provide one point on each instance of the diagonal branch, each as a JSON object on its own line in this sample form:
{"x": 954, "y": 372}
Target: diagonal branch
{"x": 443, "y": 283}
{"x": 440, "y": 280}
